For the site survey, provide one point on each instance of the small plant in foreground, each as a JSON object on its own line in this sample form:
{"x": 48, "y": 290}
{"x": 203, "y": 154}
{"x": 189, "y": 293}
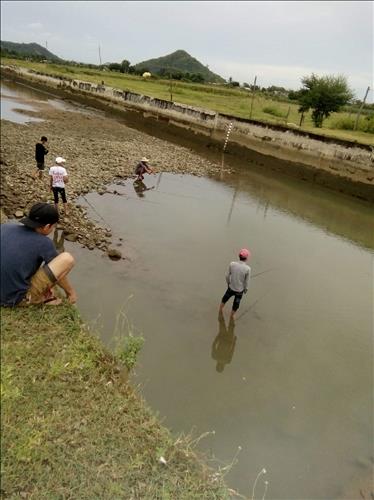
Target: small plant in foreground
{"x": 129, "y": 352}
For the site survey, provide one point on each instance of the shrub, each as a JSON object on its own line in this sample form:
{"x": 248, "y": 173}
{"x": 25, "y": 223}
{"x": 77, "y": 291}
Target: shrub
{"x": 365, "y": 124}
{"x": 129, "y": 353}
{"x": 271, "y": 110}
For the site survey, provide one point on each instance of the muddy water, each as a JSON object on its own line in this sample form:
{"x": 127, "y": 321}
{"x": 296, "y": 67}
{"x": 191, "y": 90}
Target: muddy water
{"x": 291, "y": 382}
{"x": 16, "y": 98}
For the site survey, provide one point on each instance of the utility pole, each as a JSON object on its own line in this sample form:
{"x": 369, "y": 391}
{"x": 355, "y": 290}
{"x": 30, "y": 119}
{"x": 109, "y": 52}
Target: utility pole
{"x": 171, "y": 87}
{"x": 287, "y": 115}
{"x": 99, "y": 55}
{"x": 359, "y": 111}
{"x": 46, "y": 44}
{"x": 253, "y": 96}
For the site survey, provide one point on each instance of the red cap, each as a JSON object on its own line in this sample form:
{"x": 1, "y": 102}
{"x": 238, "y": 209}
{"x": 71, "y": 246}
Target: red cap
{"x": 244, "y": 253}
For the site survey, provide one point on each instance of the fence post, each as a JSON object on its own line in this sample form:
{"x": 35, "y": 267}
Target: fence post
{"x": 360, "y": 110}
{"x": 253, "y": 96}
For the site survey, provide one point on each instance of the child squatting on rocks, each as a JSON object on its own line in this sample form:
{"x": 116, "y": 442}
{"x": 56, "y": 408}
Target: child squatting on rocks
{"x": 59, "y": 176}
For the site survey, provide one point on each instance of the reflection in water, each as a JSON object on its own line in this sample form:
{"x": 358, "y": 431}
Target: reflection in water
{"x": 224, "y": 344}
{"x": 59, "y": 243}
{"x": 140, "y": 187}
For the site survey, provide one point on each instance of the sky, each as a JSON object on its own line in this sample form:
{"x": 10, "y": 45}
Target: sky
{"x": 279, "y": 42}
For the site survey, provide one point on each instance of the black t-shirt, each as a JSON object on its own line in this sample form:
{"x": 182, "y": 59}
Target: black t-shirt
{"x": 40, "y": 152}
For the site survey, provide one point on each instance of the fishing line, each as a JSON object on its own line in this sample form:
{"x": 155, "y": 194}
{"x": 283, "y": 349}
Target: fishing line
{"x": 252, "y": 306}
{"x": 96, "y": 212}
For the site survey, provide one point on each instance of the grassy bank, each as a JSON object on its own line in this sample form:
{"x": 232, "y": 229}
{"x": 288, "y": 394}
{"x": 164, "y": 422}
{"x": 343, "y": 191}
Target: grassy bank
{"x": 73, "y": 428}
{"x": 231, "y": 101}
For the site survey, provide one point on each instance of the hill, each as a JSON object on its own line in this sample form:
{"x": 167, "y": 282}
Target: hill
{"x": 28, "y": 49}
{"x": 179, "y": 62}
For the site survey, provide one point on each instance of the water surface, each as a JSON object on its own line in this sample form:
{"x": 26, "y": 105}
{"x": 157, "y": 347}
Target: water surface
{"x": 291, "y": 382}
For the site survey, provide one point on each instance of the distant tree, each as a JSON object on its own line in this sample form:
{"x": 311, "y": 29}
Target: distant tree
{"x": 324, "y": 95}
{"x": 114, "y": 67}
{"x": 125, "y": 65}
{"x": 196, "y": 77}
{"x": 246, "y": 85}
{"x": 293, "y": 95}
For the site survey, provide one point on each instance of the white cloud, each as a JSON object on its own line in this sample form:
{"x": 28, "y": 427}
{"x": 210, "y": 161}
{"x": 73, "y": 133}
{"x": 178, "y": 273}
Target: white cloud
{"x": 283, "y": 75}
{"x": 35, "y": 26}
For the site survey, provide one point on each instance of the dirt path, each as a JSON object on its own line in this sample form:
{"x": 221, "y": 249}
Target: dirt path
{"x": 97, "y": 150}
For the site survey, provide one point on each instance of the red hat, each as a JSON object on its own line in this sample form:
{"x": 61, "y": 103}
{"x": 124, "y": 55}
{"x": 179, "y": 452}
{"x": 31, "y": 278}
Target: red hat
{"x": 244, "y": 253}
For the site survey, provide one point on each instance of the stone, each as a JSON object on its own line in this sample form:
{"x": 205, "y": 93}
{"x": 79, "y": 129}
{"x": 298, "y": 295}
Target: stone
{"x": 18, "y": 214}
{"x": 114, "y": 254}
{"x": 71, "y": 237}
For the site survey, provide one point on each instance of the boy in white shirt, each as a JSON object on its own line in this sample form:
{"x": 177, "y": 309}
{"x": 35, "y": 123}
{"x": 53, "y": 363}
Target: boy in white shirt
{"x": 59, "y": 177}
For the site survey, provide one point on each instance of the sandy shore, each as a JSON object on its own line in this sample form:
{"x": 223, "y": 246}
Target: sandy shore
{"x": 97, "y": 150}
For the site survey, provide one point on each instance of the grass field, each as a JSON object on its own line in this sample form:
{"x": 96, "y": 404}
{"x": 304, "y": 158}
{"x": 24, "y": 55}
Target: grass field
{"x": 72, "y": 428}
{"x": 232, "y": 101}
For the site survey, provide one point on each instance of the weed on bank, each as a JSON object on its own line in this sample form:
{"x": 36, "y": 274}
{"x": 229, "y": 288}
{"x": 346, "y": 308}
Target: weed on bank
{"x": 72, "y": 428}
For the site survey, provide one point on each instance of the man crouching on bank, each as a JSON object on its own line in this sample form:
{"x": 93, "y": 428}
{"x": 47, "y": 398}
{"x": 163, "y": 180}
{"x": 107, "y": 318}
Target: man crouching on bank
{"x": 30, "y": 264}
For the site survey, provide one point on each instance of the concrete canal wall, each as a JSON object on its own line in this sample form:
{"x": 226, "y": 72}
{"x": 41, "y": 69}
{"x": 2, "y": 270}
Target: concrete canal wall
{"x": 343, "y": 165}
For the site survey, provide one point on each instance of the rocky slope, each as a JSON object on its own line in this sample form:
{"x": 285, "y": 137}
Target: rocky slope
{"x": 97, "y": 150}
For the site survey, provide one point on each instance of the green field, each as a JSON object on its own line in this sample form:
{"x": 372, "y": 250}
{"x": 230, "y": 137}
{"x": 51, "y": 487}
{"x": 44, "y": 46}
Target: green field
{"x": 231, "y": 101}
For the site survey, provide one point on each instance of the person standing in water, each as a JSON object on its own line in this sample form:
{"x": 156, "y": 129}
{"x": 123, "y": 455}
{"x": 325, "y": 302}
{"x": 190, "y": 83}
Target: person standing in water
{"x": 59, "y": 176}
{"x": 237, "y": 279}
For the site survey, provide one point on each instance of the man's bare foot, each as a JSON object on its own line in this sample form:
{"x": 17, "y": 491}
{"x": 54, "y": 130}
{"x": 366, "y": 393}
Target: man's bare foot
{"x": 72, "y": 298}
{"x": 53, "y": 302}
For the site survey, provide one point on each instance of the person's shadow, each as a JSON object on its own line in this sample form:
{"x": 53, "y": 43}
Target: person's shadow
{"x": 140, "y": 187}
{"x": 59, "y": 243}
{"x": 223, "y": 346}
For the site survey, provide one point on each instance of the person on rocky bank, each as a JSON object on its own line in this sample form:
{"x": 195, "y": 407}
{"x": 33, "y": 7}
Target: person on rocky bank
{"x": 59, "y": 176}
{"x": 30, "y": 264}
{"x": 142, "y": 168}
{"x": 237, "y": 279}
{"x": 40, "y": 152}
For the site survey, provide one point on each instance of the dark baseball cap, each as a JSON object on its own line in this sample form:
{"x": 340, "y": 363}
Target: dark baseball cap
{"x": 40, "y": 215}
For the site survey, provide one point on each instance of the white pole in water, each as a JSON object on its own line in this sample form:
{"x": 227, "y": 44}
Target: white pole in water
{"x": 229, "y": 128}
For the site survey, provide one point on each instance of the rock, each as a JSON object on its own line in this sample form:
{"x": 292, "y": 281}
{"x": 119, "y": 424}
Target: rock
{"x": 18, "y": 214}
{"x": 71, "y": 237}
{"x": 114, "y": 254}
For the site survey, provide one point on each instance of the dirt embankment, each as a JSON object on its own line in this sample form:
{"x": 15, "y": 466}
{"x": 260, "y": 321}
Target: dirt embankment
{"x": 97, "y": 150}
{"x": 342, "y": 165}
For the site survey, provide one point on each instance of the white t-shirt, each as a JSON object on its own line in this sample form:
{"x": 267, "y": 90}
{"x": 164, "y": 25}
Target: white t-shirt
{"x": 58, "y": 173}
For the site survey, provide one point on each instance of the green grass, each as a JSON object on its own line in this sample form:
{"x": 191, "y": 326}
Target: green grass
{"x": 231, "y": 101}
{"x": 71, "y": 428}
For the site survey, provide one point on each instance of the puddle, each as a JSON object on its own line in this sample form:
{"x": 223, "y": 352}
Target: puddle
{"x": 22, "y": 97}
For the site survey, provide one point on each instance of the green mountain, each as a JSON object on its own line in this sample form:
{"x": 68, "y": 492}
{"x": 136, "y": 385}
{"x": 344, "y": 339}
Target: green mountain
{"x": 178, "y": 62}
{"x": 28, "y": 49}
